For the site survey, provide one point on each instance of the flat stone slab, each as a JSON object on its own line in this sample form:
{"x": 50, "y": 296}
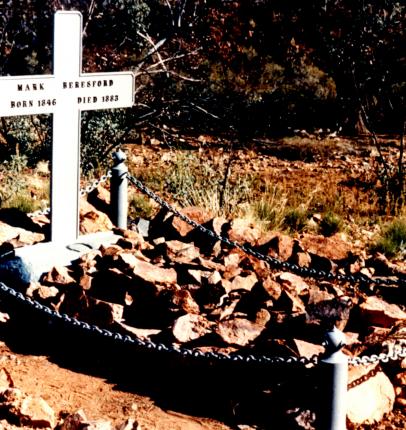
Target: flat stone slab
{"x": 30, "y": 262}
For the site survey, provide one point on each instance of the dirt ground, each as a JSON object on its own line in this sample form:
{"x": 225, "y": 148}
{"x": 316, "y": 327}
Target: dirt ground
{"x": 73, "y": 373}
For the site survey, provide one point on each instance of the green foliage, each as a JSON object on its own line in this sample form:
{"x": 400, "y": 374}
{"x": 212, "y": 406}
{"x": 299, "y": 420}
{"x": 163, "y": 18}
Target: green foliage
{"x": 13, "y": 181}
{"x": 28, "y": 135}
{"x": 296, "y": 219}
{"x": 270, "y": 209}
{"x": 393, "y": 239}
{"x": 102, "y": 131}
{"x": 13, "y": 192}
{"x": 140, "y": 206}
{"x": 330, "y": 224}
{"x": 22, "y": 202}
{"x": 193, "y": 183}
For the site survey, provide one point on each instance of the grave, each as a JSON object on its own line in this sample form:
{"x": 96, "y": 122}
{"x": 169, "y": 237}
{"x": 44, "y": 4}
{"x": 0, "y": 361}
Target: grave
{"x": 64, "y": 94}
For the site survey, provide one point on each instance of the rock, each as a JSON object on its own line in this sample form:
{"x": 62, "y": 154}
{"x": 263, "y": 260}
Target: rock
{"x": 214, "y": 278}
{"x": 302, "y": 259}
{"x": 129, "y": 424}
{"x": 291, "y": 302}
{"x": 307, "y": 349}
{"x": 11, "y": 396}
{"x": 5, "y": 380}
{"x": 182, "y": 300}
{"x": 59, "y": 275}
{"x": 89, "y": 259}
{"x": 293, "y": 282}
{"x": 141, "y": 333}
{"x": 232, "y": 260}
{"x": 4, "y": 317}
{"x": 380, "y": 264}
{"x": 76, "y": 421}
{"x": 329, "y": 313}
{"x": 191, "y": 327}
{"x": 196, "y": 214}
{"x": 276, "y": 244}
{"x": 131, "y": 239}
{"x": 127, "y": 261}
{"x": 370, "y": 396}
{"x": 79, "y": 421}
{"x": 262, "y": 317}
{"x": 375, "y": 311}
{"x": 92, "y": 220}
{"x": 400, "y": 379}
{"x": 400, "y": 389}
{"x": 333, "y": 247}
{"x": 243, "y": 283}
{"x": 35, "y": 412}
{"x": 243, "y": 231}
{"x": 321, "y": 263}
{"x": 47, "y": 295}
{"x": 111, "y": 285}
{"x": 151, "y": 273}
{"x": 303, "y": 419}
{"x": 239, "y": 331}
{"x": 272, "y": 288}
{"x": 210, "y": 265}
{"x": 100, "y": 199}
{"x": 29, "y": 411}
{"x": 85, "y": 282}
{"x": 180, "y": 252}
{"x": 24, "y": 237}
{"x": 99, "y": 425}
{"x": 102, "y": 313}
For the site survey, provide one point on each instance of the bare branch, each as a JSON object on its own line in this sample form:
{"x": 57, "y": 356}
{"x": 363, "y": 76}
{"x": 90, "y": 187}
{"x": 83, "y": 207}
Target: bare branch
{"x": 171, "y": 11}
{"x": 155, "y": 48}
{"x": 176, "y": 57}
{"x": 90, "y": 12}
{"x": 204, "y": 111}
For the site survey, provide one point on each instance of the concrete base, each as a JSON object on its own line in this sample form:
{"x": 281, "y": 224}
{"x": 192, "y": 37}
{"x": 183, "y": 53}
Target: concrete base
{"x": 30, "y": 262}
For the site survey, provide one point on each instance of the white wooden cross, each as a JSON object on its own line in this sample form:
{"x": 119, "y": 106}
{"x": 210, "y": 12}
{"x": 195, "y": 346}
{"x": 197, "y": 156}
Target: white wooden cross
{"x": 65, "y": 94}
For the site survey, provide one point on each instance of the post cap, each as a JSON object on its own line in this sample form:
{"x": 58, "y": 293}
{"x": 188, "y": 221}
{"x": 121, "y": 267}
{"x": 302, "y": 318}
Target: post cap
{"x": 119, "y": 156}
{"x": 334, "y": 340}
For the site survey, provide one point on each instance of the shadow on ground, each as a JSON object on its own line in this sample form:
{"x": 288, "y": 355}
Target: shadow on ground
{"x": 233, "y": 393}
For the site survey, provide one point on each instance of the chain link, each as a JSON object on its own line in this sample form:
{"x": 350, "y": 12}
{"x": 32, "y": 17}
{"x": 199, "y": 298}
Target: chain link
{"x": 398, "y": 353}
{"x": 137, "y": 342}
{"x": 93, "y": 185}
{"x": 82, "y": 192}
{"x": 273, "y": 262}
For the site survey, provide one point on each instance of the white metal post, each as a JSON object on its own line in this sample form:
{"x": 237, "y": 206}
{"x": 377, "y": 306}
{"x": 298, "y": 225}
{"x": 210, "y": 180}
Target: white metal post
{"x": 119, "y": 190}
{"x": 334, "y": 382}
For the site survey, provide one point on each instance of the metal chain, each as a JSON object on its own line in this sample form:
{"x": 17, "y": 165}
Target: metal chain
{"x": 273, "y": 262}
{"x": 147, "y": 344}
{"x": 398, "y": 353}
{"x": 83, "y": 191}
{"x": 93, "y": 185}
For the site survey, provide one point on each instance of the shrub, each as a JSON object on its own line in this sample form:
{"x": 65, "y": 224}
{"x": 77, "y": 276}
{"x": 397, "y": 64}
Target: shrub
{"x": 393, "y": 239}
{"x": 271, "y": 208}
{"x": 140, "y": 206}
{"x": 22, "y": 202}
{"x": 192, "y": 182}
{"x": 330, "y": 223}
{"x": 296, "y": 219}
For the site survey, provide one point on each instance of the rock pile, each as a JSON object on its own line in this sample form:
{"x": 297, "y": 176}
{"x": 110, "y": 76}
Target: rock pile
{"x": 180, "y": 286}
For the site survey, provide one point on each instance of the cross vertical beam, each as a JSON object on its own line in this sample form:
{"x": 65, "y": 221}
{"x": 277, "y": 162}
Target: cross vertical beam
{"x": 66, "y": 140}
